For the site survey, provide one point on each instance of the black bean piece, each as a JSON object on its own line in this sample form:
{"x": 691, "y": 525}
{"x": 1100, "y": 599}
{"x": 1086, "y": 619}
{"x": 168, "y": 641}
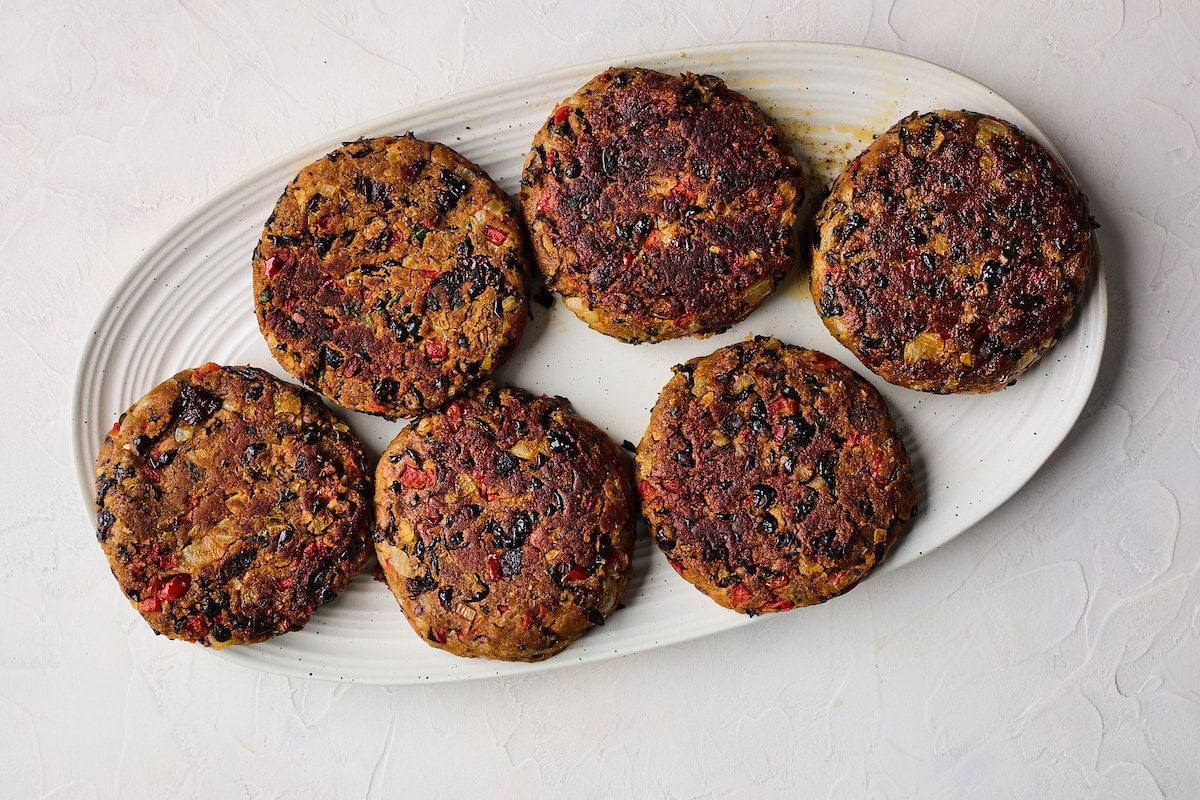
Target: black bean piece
{"x": 237, "y": 564}
{"x": 561, "y": 442}
{"x": 310, "y": 433}
{"x": 162, "y": 459}
{"x": 731, "y": 423}
{"x": 506, "y": 464}
{"x": 420, "y": 584}
{"x": 510, "y": 563}
{"x": 1027, "y": 302}
{"x": 608, "y": 160}
{"x": 104, "y": 523}
{"x": 853, "y": 223}
{"x": 522, "y": 526}
{"x": 663, "y": 540}
{"x": 805, "y": 506}
{"x": 829, "y": 304}
{"x": 193, "y": 405}
{"x": 251, "y": 452}
{"x": 826, "y": 466}
{"x": 802, "y": 431}
{"x": 374, "y": 191}
{"x": 762, "y": 496}
{"x": 642, "y": 225}
{"x": 385, "y": 390}
{"x": 330, "y": 357}
{"x": 992, "y": 273}
{"x": 318, "y": 579}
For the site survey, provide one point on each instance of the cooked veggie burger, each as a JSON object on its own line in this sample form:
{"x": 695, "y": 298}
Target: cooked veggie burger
{"x": 951, "y": 254}
{"x": 772, "y": 476}
{"x": 230, "y": 505}
{"x": 660, "y": 206}
{"x": 391, "y": 275}
{"x": 506, "y": 525}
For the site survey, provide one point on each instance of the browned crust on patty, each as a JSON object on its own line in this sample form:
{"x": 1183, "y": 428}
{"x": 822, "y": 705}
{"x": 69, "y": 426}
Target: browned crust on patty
{"x": 230, "y": 505}
{"x": 772, "y": 476}
{"x": 506, "y": 524}
{"x": 951, "y": 254}
{"x": 391, "y": 275}
{"x": 660, "y": 206}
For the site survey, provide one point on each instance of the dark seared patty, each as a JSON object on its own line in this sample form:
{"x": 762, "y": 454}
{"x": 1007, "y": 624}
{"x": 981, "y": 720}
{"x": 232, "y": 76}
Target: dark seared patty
{"x": 950, "y": 255}
{"x": 772, "y": 476}
{"x": 507, "y": 525}
{"x": 660, "y": 206}
{"x": 230, "y": 505}
{"x": 391, "y": 275}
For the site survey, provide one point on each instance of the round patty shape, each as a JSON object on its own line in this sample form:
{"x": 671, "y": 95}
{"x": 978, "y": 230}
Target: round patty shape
{"x": 951, "y": 254}
{"x": 391, "y": 275}
{"x": 230, "y": 505}
{"x": 506, "y": 525}
{"x": 660, "y": 206}
{"x": 772, "y": 476}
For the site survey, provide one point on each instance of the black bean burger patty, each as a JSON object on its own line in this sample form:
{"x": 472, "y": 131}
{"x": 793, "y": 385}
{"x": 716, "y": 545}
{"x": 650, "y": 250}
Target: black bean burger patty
{"x": 660, "y": 206}
{"x": 391, "y": 275}
{"x": 772, "y": 476}
{"x": 230, "y": 505}
{"x": 506, "y": 524}
{"x": 951, "y": 254}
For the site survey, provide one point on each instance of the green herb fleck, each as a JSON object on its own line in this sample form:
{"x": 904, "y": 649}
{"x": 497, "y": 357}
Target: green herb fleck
{"x": 419, "y": 232}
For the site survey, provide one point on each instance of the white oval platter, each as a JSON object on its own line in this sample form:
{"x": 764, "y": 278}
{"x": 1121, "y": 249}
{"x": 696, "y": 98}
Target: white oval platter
{"x": 188, "y": 300}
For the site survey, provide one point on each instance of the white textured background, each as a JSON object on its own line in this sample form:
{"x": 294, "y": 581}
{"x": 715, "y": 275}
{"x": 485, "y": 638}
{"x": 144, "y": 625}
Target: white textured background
{"x": 1051, "y": 651}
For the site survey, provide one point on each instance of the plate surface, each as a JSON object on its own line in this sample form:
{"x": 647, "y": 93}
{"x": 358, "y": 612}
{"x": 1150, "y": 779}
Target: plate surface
{"x": 188, "y": 300}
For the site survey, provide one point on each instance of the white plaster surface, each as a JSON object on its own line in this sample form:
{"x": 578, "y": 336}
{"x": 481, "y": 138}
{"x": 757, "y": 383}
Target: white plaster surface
{"x": 1053, "y": 650}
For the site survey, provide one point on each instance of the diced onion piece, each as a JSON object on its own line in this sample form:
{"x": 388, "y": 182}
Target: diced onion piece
{"x": 403, "y": 566}
{"x": 991, "y": 126}
{"x": 405, "y": 534}
{"x": 923, "y": 346}
{"x": 757, "y": 291}
{"x": 287, "y": 403}
{"x": 580, "y": 307}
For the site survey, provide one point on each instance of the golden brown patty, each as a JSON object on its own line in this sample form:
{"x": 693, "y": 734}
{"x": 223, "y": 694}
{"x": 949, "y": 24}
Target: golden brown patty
{"x": 230, "y": 505}
{"x": 950, "y": 255}
{"x": 772, "y": 476}
{"x": 391, "y": 276}
{"x": 507, "y": 525}
{"x": 660, "y": 206}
